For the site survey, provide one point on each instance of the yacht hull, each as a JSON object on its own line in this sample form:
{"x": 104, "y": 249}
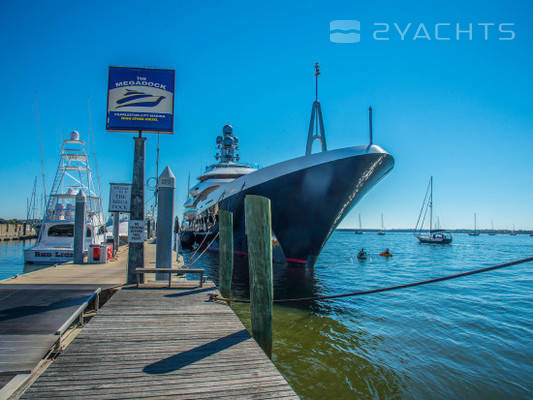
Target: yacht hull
{"x": 309, "y": 197}
{"x": 429, "y": 240}
{"x": 48, "y": 255}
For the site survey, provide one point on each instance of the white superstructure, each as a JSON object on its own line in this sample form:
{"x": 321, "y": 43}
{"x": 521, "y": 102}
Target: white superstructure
{"x": 215, "y": 176}
{"x": 56, "y": 236}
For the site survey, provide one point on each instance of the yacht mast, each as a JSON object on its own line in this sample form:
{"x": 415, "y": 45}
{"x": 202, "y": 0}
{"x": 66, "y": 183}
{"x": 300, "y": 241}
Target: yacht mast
{"x": 316, "y": 124}
{"x": 430, "y": 204}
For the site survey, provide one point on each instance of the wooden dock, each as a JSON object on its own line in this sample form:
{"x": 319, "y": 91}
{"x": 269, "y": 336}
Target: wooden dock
{"x": 143, "y": 343}
{"x": 34, "y": 306}
{"x": 164, "y": 344}
{"x": 16, "y": 232}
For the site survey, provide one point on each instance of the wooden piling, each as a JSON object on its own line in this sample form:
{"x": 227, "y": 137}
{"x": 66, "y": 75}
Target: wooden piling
{"x": 79, "y": 227}
{"x": 257, "y": 213}
{"x": 225, "y": 271}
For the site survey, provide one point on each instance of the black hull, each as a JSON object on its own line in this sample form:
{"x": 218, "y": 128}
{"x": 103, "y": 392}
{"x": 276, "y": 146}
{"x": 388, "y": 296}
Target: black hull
{"x": 308, "y": 204}
{"x": 433, "y": 241}
{"x": 187, "y": 239}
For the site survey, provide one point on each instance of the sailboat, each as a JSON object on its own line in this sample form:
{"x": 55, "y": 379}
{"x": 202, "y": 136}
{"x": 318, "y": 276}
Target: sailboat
{"x": 433, "y": 236}
{"x": 382, "y": 231}
{"x": 513, "y": 232}
{"x": 359, "y": 231}
{"x": 492, "y": 233}
{"x": 475, "y": 233}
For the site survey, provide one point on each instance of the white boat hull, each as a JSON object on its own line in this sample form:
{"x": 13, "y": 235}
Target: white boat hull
{"x": 47, "y": 256}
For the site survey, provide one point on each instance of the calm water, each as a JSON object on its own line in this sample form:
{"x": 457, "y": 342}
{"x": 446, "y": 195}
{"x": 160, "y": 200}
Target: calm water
{"x": 12, "y": 258}
{"x": 466, "y": 338}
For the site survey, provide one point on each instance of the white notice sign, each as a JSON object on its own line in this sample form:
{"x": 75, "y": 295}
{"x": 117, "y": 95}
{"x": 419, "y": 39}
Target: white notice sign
{"x": 136, "y": 231}
{"x": 119, "y": 197}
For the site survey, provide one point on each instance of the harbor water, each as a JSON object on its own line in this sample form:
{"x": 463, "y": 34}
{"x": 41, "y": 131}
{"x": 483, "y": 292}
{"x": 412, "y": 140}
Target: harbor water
{"x": 466, "y": 338}
{"x": 12, "y": 258}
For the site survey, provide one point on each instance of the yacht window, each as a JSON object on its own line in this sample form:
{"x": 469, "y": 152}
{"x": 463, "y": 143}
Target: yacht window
{"x": 64, "y": 230}
{"x": 88, "y": 233}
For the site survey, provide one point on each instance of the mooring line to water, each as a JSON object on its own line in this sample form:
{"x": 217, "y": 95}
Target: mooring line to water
{"x": 385, "y": 289}
{"x": 202, "y": 253}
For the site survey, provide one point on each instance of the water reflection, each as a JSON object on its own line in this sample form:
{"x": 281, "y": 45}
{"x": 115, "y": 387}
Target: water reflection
{"x": 466, "y": 338}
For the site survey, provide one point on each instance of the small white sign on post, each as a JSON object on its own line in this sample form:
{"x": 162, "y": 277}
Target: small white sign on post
{"x": 119, "y": 197}
{"x": 136, "y": 231}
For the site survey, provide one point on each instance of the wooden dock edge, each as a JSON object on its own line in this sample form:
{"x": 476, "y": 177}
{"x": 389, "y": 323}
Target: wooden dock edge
{"x": 65, "y": 335}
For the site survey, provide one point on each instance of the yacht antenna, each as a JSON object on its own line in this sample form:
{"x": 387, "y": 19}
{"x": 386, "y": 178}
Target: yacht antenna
{"x": 370, "y": 123}
{"x": 188, "y": 185}
{"x": 316, "y": 126}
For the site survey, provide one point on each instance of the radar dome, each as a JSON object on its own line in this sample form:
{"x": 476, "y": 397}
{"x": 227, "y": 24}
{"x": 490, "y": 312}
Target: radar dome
{"x": 74, "y": 135}
{"x": 228, "y": 129}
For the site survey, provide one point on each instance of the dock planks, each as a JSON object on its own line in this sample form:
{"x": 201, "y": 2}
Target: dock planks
{"x": 162, "y": 343}
{"x": 33, "y": 307}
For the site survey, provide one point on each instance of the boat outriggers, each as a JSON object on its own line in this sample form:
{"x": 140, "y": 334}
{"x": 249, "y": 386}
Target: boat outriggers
{"x": 56, "y": 237}
{"x": 309, "y": 195}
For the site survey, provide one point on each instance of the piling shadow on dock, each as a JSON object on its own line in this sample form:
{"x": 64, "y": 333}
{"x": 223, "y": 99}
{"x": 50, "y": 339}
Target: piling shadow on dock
{"x": 162, "y": 343}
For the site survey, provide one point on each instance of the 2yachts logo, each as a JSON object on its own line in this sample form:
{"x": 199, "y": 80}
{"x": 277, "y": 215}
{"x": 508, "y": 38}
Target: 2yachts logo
{"x": 349, "y": 31}
{"x": 344, "y": 31}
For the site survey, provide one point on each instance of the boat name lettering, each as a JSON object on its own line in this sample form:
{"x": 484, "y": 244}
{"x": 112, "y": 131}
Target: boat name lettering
{"x": 57, "y": 254}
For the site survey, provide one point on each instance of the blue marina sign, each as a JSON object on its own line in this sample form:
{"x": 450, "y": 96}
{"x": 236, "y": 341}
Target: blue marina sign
{"x": 140, "y": 99}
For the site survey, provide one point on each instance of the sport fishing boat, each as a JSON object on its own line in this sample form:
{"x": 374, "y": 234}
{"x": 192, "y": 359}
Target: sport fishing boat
{"x": 433, "y": 236}
{"x": 309, "y": 195}
{"x": 55, "y": 243}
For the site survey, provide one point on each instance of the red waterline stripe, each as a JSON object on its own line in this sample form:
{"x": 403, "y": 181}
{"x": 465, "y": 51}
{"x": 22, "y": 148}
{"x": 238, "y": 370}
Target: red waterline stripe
{"x": 293, "y": 260}
{"x": 243, "y": 253}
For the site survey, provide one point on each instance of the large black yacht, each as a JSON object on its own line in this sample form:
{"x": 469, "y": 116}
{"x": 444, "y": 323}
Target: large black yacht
{"x": 310, "y": 195}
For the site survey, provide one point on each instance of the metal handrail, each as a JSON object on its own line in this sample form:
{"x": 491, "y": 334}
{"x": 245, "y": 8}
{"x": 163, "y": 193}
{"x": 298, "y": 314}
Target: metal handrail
{"x": 79, "y": 311}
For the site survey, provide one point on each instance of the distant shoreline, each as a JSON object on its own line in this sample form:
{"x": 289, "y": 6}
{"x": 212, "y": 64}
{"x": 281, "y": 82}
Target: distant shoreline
{"x": 480, "y": 231}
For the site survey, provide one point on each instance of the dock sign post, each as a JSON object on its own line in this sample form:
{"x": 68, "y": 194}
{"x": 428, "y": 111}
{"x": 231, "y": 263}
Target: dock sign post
{"x": 139, "y": 100}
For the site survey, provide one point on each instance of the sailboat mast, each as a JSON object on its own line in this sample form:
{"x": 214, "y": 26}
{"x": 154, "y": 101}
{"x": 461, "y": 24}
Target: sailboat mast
{"x": 382, "y": 225}
{"x": 360, "y": 226}
{"x": 475, "y": 222}
{"x": 430, "y": 204}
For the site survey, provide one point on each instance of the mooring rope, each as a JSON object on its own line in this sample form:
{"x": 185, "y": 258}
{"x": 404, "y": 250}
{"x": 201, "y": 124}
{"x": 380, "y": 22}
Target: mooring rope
{"x": 385, "y": 289}
{"x": 202, "y": 253}
{"x": 205, "y": 237}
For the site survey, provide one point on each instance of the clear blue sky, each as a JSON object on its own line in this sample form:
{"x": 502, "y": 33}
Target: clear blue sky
{"x": 460, "y": 110}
